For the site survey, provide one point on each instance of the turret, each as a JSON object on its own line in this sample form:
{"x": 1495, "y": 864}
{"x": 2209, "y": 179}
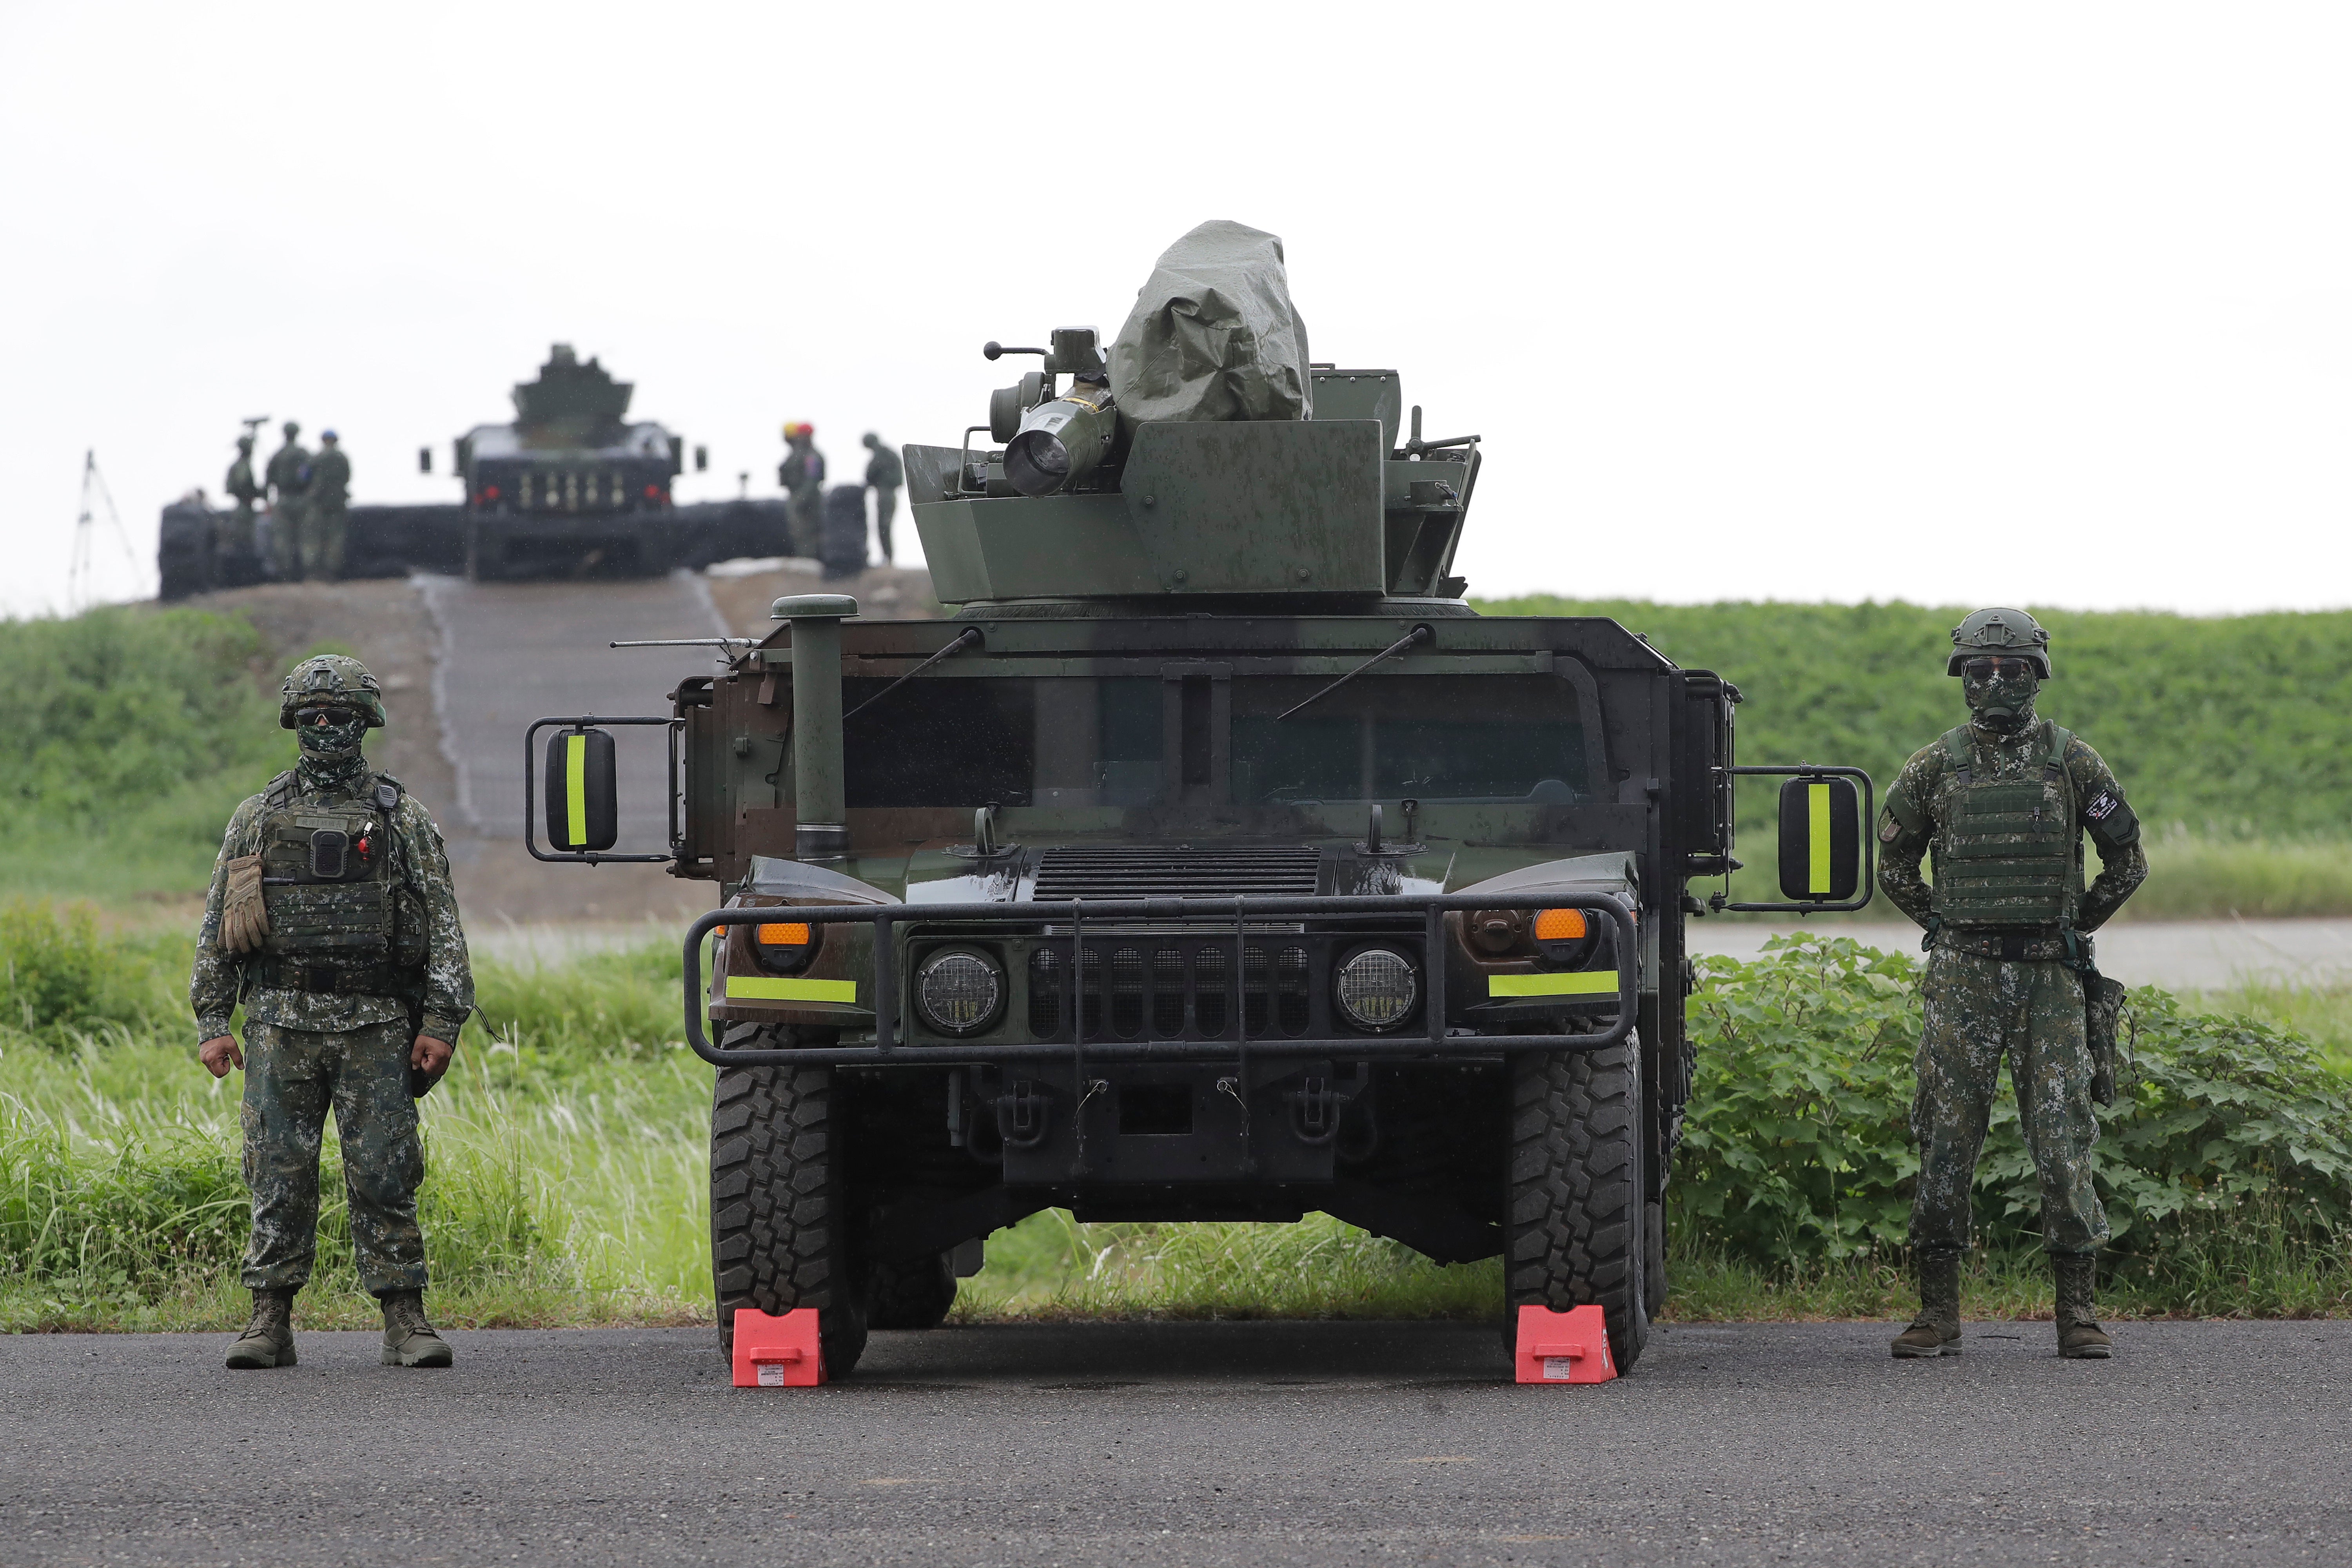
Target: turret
{"x": 1203, "y": 455}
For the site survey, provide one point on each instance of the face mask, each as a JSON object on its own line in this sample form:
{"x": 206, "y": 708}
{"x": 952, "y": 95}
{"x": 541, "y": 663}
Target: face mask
{"x": 330, "y": 734}
{"x": 1999, "y": 692}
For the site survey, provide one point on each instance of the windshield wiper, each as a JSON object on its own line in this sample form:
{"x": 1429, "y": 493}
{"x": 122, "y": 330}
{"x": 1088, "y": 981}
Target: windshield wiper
{"x": 1418, "y": 635}
{"x": 968, "y": 637}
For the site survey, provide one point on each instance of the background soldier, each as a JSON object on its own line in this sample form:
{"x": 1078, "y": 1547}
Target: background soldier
{"x": 326, "y": 510}
{"x": 884, "y": 476}
{"x": 802, "y": 473}
{"x": 233, "y": 542}
{"x": 332, "y": 919}
{"x": 2003, "y": 801}
{"x": 288, "y": 474}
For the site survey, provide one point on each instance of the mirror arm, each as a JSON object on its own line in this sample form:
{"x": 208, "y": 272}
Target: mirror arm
{"x": 1868, "y": 885}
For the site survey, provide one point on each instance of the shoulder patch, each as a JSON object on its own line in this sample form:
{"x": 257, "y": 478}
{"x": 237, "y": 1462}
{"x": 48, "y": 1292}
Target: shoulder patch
{"x": 1889, "y": 830}
{"x": 2103, "y": 806}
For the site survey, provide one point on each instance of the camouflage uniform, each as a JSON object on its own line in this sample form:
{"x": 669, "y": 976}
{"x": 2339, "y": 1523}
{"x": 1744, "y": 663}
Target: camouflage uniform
{"x": 1982, "y": 1005}
{"x": 235, "y": 536}
{"x": 2003, "y": 804}
{"x": 802, "y": 474}
{"x": 289, "y": 474}
{"x": 326, "y": 511}
{"x": 885, "y": 476}
{"x": 310, "y": 1050}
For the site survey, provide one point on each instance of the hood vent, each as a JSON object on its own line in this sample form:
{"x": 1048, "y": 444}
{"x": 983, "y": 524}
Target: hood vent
{"x": 1125, "y": 871}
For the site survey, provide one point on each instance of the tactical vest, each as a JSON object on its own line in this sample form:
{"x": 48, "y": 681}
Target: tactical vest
{"x": 341, "y": 917}
{"x": 2006, "y": 850}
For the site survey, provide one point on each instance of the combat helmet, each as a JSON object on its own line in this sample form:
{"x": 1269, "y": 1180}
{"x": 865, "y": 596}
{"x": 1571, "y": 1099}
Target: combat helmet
{"x": 1996, "y": 632}
{"x": 331, "y": 678}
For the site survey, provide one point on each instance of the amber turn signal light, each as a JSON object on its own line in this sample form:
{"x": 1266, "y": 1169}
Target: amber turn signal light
{"x": 1559, "y": 925}
{"x": 782, "y": 933}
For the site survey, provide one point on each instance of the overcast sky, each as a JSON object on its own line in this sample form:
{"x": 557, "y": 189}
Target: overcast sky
{"x": 2040, "y": 304}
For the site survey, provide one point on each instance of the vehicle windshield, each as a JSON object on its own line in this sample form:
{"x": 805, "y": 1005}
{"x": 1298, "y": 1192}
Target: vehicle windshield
{"x": 1140, "y": 740}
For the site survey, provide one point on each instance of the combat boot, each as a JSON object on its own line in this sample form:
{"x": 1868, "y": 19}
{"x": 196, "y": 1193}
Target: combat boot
{"x": 268, "y": 1339}
{"x": 1937, "y": 1331}
{"x": 2080, "y": 1338}
{"x": 408, "y": 1338}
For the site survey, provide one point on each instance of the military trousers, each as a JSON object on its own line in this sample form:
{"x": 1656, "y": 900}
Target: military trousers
{"x": 1979, "y": 1012}
{"x": 292, "y": 1078}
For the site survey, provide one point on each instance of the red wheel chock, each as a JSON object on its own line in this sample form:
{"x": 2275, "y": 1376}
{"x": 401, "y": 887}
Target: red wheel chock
{"x": 778, "y": 1352}
{"x": 1553, "y": 1347}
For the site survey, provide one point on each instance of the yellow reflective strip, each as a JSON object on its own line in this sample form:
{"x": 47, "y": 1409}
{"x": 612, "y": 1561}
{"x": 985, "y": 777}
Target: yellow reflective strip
{"x": 575, "y": 786}
{"x": 1583, "y": 983}
{"x": 1819, "y": 813}
{"x": 762, "y": 988}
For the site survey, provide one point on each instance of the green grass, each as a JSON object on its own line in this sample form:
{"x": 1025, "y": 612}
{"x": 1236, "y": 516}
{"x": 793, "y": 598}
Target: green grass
{"x": 568, "y": 1183}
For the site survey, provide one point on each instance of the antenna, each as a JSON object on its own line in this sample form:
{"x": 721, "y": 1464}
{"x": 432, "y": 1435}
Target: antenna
{"x": 78, "y": 595}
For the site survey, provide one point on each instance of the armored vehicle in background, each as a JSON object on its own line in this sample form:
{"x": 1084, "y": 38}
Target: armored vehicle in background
{"x": 1214, "y": 861}
{"x": 570, "y": 486}
{"x": 570, "y": 489}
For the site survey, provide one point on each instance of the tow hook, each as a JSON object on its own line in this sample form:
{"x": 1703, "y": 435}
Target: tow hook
{"x": 1315, "y": 1110}
{"x": 1021, "y": 1115}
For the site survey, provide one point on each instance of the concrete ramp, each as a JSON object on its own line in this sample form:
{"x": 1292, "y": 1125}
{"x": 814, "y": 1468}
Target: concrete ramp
{"x": 509, "y": 652}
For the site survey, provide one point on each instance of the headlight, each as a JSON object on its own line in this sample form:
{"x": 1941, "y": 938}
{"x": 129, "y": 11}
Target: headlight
{"x": 958, "y": 991}
{"x": 783, "y": 945}
{"x": 1376, "y": 988}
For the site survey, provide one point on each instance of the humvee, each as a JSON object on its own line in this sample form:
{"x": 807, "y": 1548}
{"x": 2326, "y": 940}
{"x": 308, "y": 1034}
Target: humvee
{"x": 1214, "y": 861}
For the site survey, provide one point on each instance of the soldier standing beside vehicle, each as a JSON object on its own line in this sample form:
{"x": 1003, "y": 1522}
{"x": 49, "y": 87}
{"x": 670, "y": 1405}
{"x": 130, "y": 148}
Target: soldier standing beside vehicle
{"x": 332, "y": 919}
{"x": 802, "y": 474}
{"x": 287, "y": 475}
{"x": 2003, "y": 801}
{"x": 884, "y": 476}
{"x": 327, "y": 504}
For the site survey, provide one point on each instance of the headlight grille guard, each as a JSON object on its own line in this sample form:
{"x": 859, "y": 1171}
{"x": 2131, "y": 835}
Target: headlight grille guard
{"x": 889, "y": 1049}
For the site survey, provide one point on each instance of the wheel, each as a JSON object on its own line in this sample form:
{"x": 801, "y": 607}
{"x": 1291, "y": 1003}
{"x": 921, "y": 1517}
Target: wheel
{"x": 779, "y": 1218}
{"x": 1574, "y": 1218}
{"x": 913, "y": 1294}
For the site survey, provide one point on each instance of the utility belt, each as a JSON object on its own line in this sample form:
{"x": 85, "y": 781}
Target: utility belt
{"x": 326, "y": 979}
{"x": 2017, "y": 944}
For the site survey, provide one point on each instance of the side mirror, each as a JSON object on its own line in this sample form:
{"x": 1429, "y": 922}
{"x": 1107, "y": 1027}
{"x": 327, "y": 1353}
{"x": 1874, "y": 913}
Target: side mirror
{"x": 424, "y": 460}
{"x": 583, "y": 811}
{"x": 1820, "y": 840}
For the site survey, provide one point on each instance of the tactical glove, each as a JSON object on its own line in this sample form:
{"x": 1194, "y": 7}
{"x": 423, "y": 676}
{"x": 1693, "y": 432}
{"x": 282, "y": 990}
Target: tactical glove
{"x": 245, "y": 918}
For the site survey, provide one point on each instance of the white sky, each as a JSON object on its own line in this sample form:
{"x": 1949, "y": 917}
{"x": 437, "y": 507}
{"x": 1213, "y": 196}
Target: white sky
{"x": 1986, "y": 302}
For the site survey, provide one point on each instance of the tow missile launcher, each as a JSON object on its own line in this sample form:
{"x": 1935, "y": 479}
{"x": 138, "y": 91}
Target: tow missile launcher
{"x": 1215, "y": 861}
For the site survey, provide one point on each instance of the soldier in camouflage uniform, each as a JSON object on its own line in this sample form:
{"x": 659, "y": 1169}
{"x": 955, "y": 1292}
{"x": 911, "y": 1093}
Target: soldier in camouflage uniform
{"x": 885, "y": 476}
{"x": 233, "y": 541}
{"x": 326, "y": 507}
{"x": 333, "y": 920}
{"x": 2002, "y": 803}
{"x": 287, "y": 476}
{"x": 802, "y": 474}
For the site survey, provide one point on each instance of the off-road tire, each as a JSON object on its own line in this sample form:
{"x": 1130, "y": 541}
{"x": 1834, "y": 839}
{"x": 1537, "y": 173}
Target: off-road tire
{"x": 780, "y": 1233}
{"x": 1574, "y": 1214}
{"x": 913, "y": 1294}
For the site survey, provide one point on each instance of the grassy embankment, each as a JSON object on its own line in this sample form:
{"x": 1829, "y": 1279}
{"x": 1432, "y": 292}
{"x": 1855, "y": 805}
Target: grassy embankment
{"x": 568, "y": 1184}
{"x": 2231, "y": 735}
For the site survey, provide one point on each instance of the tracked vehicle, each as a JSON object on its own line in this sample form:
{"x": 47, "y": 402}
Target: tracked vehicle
{"x": 1215, "y": 862}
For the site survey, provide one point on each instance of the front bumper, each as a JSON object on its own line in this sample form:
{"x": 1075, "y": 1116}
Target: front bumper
{"x": 1095, "y": 933}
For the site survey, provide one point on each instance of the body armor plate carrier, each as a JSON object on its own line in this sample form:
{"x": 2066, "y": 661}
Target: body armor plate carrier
{"x": 2008, "y": 853}
{"x": 339, "y": 914}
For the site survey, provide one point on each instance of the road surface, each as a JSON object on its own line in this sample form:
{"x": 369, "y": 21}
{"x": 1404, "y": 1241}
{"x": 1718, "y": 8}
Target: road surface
{"x": 1209, "y": 1444}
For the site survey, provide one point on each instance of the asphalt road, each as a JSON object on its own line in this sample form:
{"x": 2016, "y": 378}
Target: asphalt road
{"x": 1213, "y": 1444}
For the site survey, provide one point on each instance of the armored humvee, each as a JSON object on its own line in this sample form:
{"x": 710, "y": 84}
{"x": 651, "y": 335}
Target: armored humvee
{"x": 1214, "y": 861}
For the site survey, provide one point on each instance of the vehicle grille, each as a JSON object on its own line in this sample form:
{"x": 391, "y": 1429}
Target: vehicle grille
{"x": 1124, "y": 871}
{"x": 1171, "y": 988}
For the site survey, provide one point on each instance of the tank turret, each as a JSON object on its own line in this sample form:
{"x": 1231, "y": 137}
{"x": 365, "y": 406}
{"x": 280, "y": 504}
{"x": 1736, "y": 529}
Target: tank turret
{"x": 1204, "y": 453}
